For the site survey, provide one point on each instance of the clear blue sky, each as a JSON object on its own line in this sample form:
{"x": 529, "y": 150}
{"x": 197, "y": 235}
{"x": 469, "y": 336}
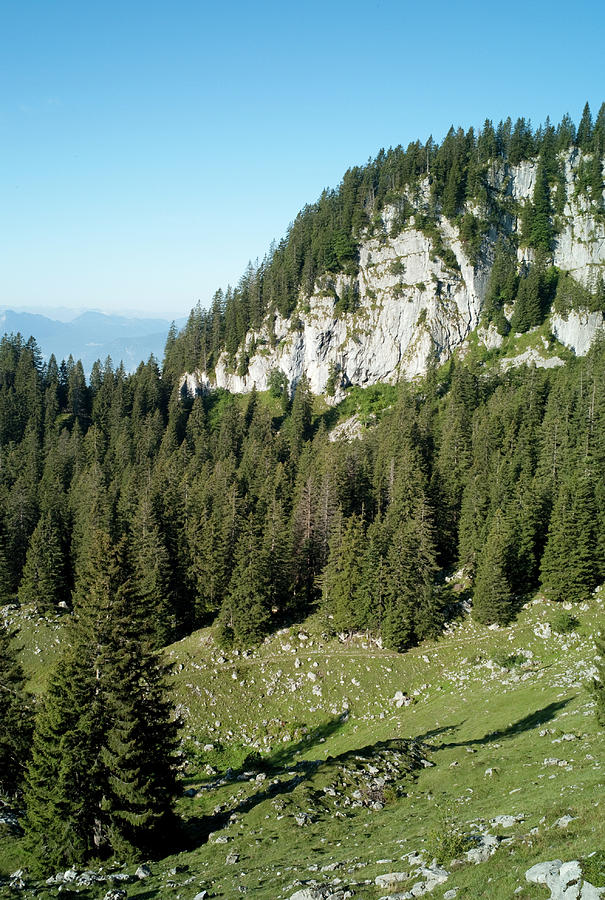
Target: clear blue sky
{"x": 149, "y": 149}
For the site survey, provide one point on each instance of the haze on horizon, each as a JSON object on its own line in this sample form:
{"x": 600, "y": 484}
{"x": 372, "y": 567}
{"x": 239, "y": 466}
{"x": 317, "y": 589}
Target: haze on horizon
{"x": 149, "y": 151}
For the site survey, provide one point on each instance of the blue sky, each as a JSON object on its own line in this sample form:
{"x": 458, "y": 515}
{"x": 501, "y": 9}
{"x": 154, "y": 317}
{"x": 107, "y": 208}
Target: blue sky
{"x": 148, "y": 150}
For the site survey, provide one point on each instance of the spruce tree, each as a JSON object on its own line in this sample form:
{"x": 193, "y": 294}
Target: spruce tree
{"x": 6, "y": 594}
{"x": 63, "y": 781}
{"x": 343, "y": 576}
{"x": 151, "y": 570}
{"x": 572, "y": 566}
{"x": 276, "y": 558}
{"x": 584, "y": 135}
{"x": 502, "y": 286}
{"x": 299, "y": 424}
{"x": 410, "y": 600}
{"x": 138, "y": 746}
{"x": 102, "y": 773}
{"x": 492, "y": 596}
{"x": 43, "y": 584}
{"x": 372, "y": 589}
{"x": 15, "y": 716}
{"x": 245, "y": 615}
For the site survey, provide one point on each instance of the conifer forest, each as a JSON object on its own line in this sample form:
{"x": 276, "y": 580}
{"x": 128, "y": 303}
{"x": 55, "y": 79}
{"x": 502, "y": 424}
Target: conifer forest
{"x": 139, "y": 512}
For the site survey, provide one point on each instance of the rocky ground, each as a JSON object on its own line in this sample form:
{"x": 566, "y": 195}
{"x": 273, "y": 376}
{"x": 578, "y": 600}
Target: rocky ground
{"x": 316, "y": 767}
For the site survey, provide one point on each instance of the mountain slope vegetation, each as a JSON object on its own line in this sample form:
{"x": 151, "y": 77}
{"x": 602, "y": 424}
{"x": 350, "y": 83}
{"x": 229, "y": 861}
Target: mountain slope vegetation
{"x": 137, "y": 516}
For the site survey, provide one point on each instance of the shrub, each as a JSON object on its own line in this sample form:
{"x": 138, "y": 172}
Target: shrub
{"x": 447, "y": 841}
{"x": 563, "y": 622}
{"x": 508, "y": 660}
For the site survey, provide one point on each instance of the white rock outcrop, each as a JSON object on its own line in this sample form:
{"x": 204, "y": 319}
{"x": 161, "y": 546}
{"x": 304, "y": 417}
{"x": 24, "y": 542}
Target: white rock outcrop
{"x": 578, "y": 330}
{"x": 564, "y": 880}
{"x": 411, "y": 306}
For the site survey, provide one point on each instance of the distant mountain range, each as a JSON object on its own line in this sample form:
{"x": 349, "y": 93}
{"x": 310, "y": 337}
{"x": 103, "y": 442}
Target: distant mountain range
{"x": 91, "y": 336}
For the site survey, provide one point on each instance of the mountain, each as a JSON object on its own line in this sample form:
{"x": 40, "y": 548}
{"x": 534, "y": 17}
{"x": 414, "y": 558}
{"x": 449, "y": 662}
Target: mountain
{"x": 91, "y": 336}
{"x": 418, "y": 272}
{"x": 379, "y": 606}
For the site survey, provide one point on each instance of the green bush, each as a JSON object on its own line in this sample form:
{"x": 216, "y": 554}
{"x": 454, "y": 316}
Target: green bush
{"x": 508, "y": 660}
{"x": 397, "y": 267}
{"x": 447, "y": 841}
{"x": 563, "y": 622}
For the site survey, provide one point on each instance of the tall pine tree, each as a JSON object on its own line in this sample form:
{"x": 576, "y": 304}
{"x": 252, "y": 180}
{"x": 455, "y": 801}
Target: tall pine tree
{"x": 15, "y": 716}
{"x": 102, "y": 773}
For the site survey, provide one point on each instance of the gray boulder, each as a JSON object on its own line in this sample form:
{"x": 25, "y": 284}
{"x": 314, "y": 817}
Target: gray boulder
{"x": 391, "y": 879}
{"x": 564, "y": 880}
{"x": 307, "y": 894}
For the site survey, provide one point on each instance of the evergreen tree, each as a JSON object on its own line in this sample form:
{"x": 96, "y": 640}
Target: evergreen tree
{"x": 300, "y": 418}
{"x": 43, "y": 583}
{"x": 410, "y": 570}
{"x": 584, "y": 135}
{"x": 62, "y": 788}
{"x": 343, "y": 576}
{"x": 276, "y": 556}
{"x": 6, "y": 594}
{"x": 502, "y": 286}
{"x": 138, "y": 747}
{"x": 245, "y": 615}
{"x": 492, "y": 597}
{"x": 452, "y": 460}
{"x": 572, "y": 564}
{"x": 536, "y": 290}
{"x": 372, "y": 588}
{"x": 151, "y": 575}
{"x": 101, "y": 777}
{"x": 15, "y": 716}
{"x": 541, "y": 230}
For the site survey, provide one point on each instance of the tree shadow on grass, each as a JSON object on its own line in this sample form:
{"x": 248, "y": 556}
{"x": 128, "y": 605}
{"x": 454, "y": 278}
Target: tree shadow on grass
{"x": 196, "y": 830}
{"x": 527, "y": 723}
{"x": 251, "y": 761}
{"x": 428, "y": 735}
{"x": 282, "y": 758}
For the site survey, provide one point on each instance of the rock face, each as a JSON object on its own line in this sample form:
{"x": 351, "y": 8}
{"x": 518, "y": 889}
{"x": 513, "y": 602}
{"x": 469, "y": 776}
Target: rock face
{"x": 579, "y": 330}
{"x": 411, "y": 303}
{"x": 564, "y": 880}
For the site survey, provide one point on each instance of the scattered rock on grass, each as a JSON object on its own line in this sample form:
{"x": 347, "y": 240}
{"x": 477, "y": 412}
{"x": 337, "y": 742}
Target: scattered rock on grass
{"x": 391, "y": 879}
{"x": 564, "y": 880}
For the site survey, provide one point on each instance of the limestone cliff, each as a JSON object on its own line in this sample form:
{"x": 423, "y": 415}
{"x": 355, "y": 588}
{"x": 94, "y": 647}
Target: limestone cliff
{"x": 418, "y": 294}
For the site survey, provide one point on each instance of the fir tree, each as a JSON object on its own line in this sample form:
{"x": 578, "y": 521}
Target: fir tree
{"x": 492, "y": 597}
{"x": 584, "y": 135}
{"x": 245, "y": 615}
{"x": 102, "y": 775}
{"x": 15, "y": 716}
{"x": 43, "y": 583}
{"x": 572, "y": 565}
{"x": 342, "y": 576}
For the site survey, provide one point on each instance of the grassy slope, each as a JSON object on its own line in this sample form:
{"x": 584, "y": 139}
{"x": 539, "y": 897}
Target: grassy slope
{"x": 467, "y": 708}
